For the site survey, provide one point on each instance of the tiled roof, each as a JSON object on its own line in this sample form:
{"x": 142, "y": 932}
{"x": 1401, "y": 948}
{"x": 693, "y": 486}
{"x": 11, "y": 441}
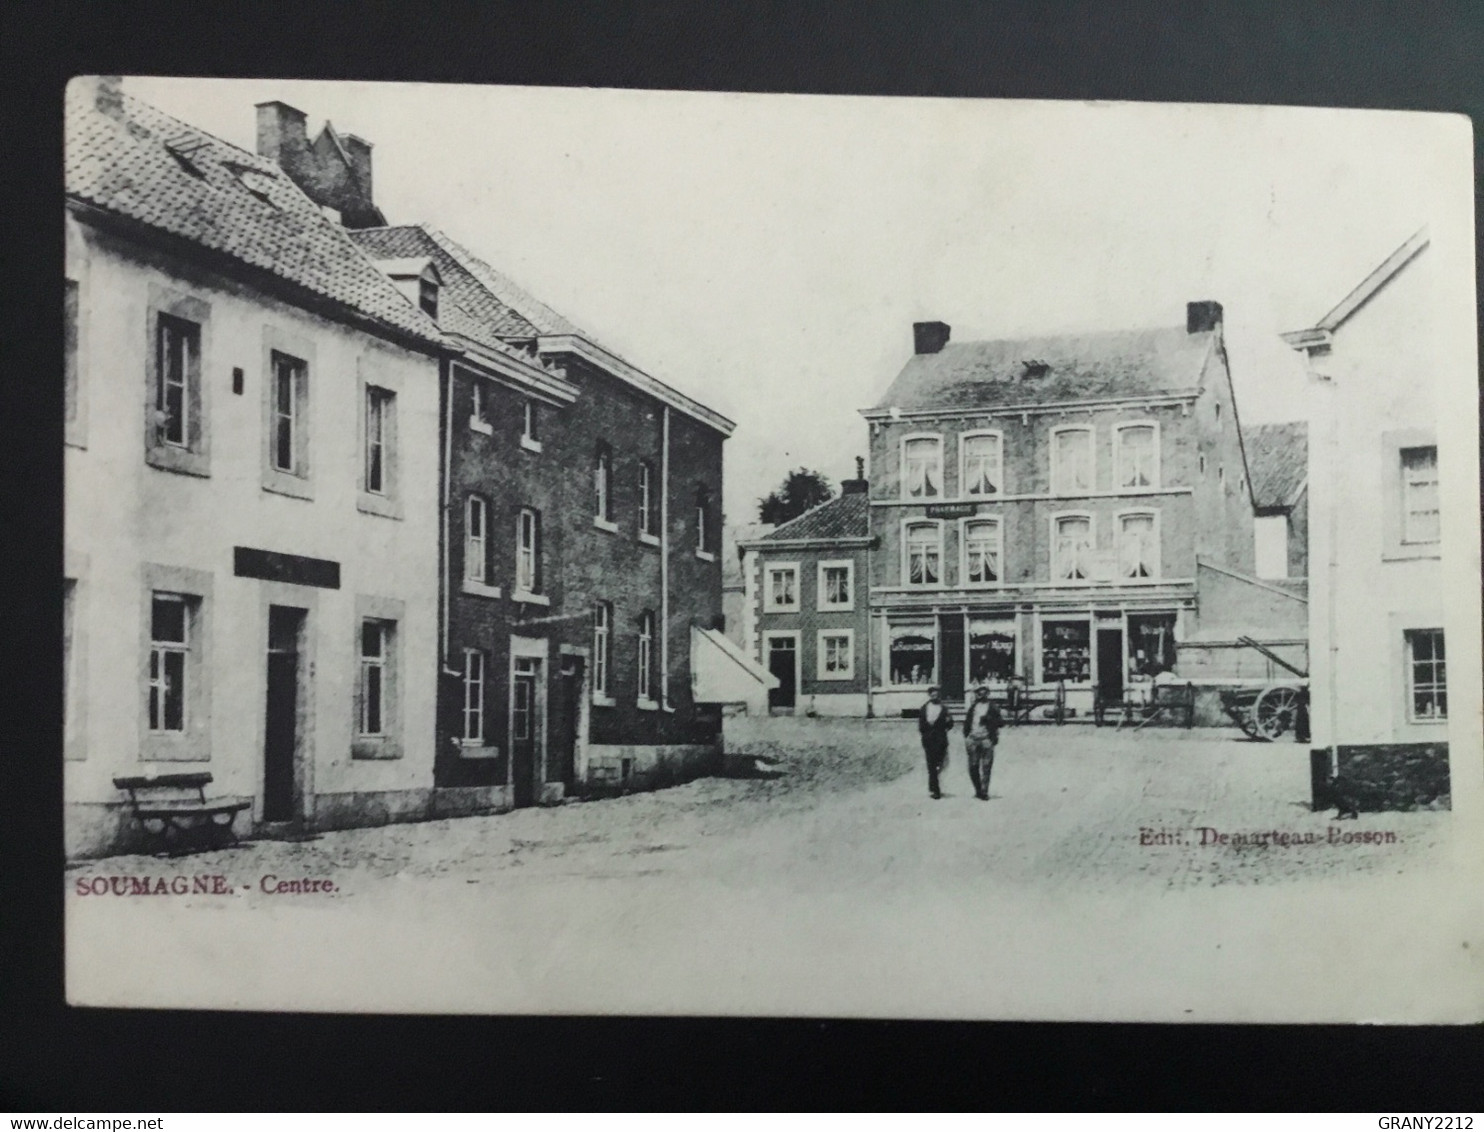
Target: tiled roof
{"x": 140, "y": 164}
{"x": 530, "y": 309}
{"x": 1277, "y": 460}
{"x": 845, "y": 516}
{"x": 1005, "y": 371}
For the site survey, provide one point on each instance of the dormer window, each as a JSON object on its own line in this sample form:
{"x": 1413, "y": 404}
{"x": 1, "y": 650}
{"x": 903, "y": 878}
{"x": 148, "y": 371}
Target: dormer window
{"x": 427, "y": 296}
{"x": 256, "y": 181}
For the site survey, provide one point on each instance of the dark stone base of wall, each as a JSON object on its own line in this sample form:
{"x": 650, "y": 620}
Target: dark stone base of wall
{"x": 621, "y": 769}
{"x": 1383, "y": 777}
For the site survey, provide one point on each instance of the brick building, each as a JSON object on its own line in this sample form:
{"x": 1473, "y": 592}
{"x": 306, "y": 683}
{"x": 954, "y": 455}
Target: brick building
{"x": 1040, "y": 507}
{"x": 251, "y": 476}
{"x": 581, "y": 535}
{"x": 804, "y": 607}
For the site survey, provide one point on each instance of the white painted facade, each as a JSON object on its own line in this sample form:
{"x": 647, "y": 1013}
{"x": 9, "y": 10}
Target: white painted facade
{"x": 132, "y": 527}
{"x": 1373, "y": 387}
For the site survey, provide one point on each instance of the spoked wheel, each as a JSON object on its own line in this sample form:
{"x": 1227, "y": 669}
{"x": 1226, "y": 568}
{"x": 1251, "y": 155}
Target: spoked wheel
{"x": 1059, "y": 709}
{"x": 1275, "y": 712}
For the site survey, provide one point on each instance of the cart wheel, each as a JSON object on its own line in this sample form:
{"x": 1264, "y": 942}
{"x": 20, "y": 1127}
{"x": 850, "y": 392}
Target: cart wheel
{"x": 1059, "y": 712}
{"x": 1275, "y": 712}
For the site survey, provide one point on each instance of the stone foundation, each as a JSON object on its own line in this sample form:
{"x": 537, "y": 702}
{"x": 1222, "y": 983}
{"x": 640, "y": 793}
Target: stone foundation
{"x": 615, "y": 768}
{"x": 1383, "y": 776}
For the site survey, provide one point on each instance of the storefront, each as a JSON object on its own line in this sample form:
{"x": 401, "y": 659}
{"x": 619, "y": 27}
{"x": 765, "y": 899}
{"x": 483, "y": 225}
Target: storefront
{"x": 1107, "y": 647}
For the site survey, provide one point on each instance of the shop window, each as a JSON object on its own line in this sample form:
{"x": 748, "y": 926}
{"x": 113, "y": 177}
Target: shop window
{"x": 923, "y": 549}
{"x": 1151, "y": 644}
{"x": 981, "y": 468}
{"x": 912, "y": 654}
{"x": 1428, "y": 676}
{"x": 922, "y": 467}
{"x": 1066, "y": 652}
{"x": 991, "y": 650}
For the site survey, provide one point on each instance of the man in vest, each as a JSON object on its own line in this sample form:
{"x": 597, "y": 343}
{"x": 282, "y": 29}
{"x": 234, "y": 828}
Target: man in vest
{"x": 981, "y": 733}
{"x": 933, "y": 725}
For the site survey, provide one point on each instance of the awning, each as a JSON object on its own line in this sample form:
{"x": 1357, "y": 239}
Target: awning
{"x": 721, "y": 673}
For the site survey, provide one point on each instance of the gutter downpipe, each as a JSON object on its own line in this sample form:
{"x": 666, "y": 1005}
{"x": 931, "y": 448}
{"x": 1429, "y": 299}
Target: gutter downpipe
{"x": 447, "y": 470}
{"x": 665, "y": 560}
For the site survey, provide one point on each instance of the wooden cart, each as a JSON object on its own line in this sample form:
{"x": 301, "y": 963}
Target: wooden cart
{"x": 1267, "y": 713}
{"x": 1020, "y": 702}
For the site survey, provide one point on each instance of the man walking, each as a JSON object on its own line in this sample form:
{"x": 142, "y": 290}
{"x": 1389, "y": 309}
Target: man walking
{"x": 981, "y": 733}
{"x": 933, "y": 724}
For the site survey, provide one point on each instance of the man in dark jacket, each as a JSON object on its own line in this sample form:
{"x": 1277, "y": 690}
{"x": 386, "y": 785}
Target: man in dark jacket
{"x": 934, "y": 722}
{"x": 981, "y": 733}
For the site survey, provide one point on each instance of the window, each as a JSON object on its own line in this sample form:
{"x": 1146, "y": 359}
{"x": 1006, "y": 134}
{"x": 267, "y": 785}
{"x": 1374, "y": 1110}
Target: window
{"x": 479, "y": 405}
{"x": 602, "y": 646}
{"x": 472, "y": 717}
{"x": 1421, "y": 519}
{"x": 981, "y": 472}
{"x": 981, "y": 542}
{"x": 1136, "y": 455}
{"x": 837, "y": 585}
{"x": 836, "y": 654}
{"x": 427, "y": 297}
{"x": 922, "y": 467}
{"x": 603, "y": 484}
{"x": 1202, "y": 462}
{"x": 1071, "y": 460}
{"x": 649, "y": 520}
{"x": 530, "y": 435}
{"x": 1071, "y": 556}
{"x": 379, "y": 404}
{"x": 646, "y": 656}
{"x": 286, "y": 443}
{"x": 912, "y": 652}
{"x": 169, "y": 653}
{"x": 375, "y": 657}
{"x": 476, "y": 540}
{"x": 1065, "y": 652}
{"x": 704, "y": 525}
{"x": 528, "y": 551}
{"x": 177, "y": 369}
{"x": 924, "y": 554}
{"x": 781, "y": 587}
{"x": 1138, "y": 545}
{"x": 1428, "y": 699}
{"x": 1151, "y": 644}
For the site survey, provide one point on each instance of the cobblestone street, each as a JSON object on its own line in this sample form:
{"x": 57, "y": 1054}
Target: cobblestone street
{"x": 849, "y": 807}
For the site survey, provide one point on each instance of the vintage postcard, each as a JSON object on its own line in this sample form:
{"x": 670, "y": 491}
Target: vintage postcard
{"x": 613, "y": 551}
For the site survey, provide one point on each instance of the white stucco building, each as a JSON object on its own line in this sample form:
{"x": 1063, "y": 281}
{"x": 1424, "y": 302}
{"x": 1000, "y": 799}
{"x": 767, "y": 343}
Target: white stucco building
{"x": 1378, "y": 605}
{"x": 251, "y": 490}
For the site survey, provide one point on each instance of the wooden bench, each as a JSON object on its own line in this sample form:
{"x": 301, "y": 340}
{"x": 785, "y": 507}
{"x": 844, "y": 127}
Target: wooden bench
{"x": 173, "y": 812}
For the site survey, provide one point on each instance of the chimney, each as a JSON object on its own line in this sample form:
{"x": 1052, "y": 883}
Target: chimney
{"x": 1202, "y": 316}
{"x": 283, "y": 135}
{"x": 858, "y": 485}
{"x": 929, "y": 337}
{"x": 360, "y": 160}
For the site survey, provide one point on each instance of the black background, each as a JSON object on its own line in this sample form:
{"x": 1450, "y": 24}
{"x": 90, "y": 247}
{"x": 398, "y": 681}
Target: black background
{"x": 1423, "y": 56}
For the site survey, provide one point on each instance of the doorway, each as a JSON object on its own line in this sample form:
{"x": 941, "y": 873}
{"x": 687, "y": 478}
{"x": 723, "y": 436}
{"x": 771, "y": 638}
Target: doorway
{"x": 951, "y": 671}
{"x": 783, "y": 662}
{"x": 1110, "y": 664}
{"x": 525, "y": 728}
{"x": 282, "y": 777}
{"x": 567, "y": 720}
